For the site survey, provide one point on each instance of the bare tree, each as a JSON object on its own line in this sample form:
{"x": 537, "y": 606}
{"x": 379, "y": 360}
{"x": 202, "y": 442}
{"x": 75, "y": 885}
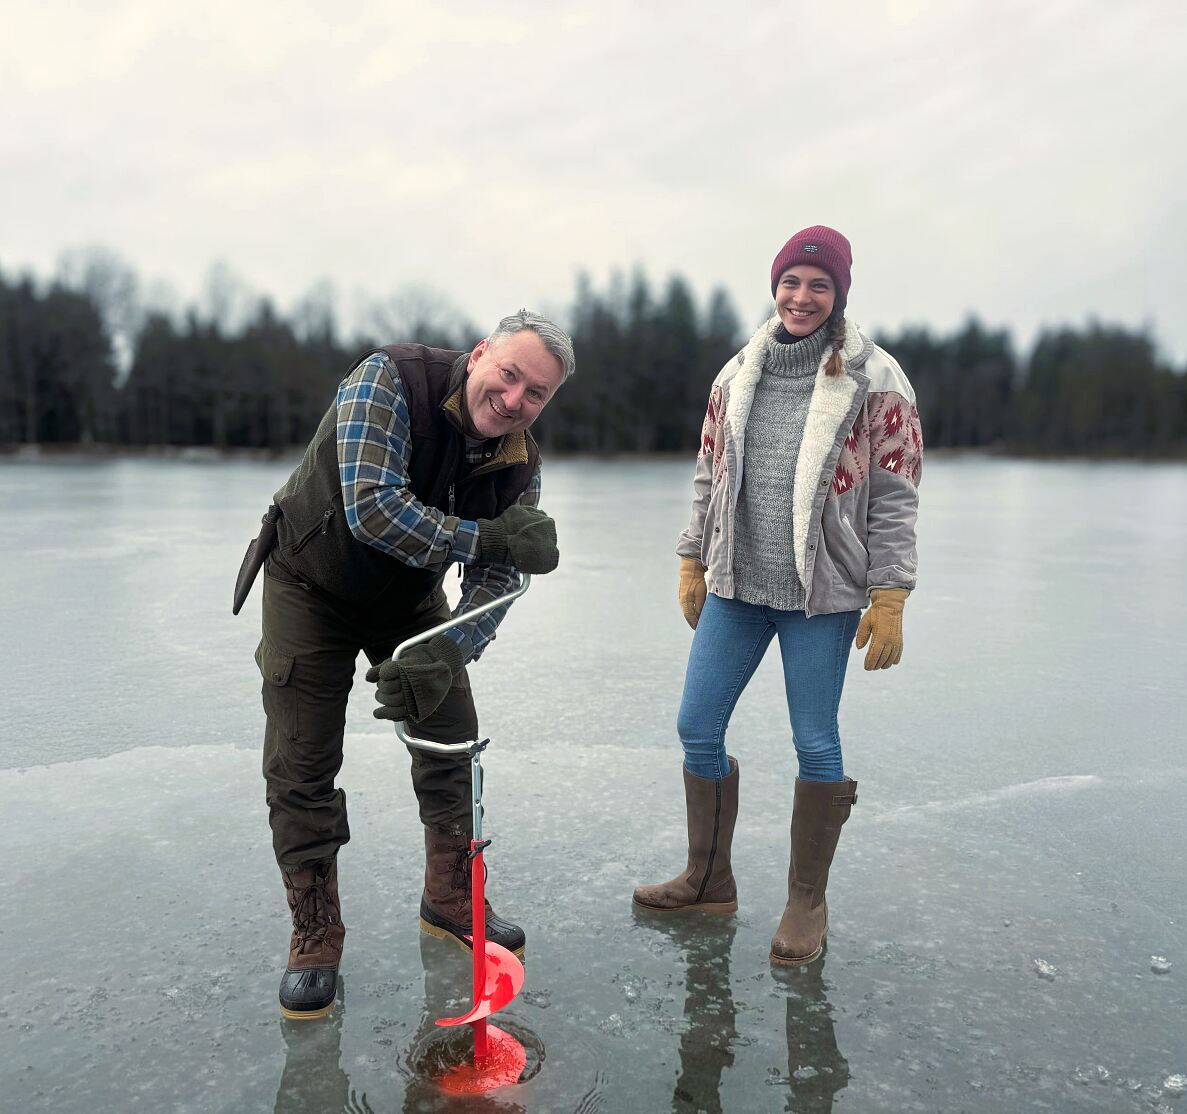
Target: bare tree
{"x": 111, "y": 284}
{"x": 227, "y": 299}
{"x": 160, "y": 297}
{"x": 314, "y": 318}
{"x": 419, "y": 313}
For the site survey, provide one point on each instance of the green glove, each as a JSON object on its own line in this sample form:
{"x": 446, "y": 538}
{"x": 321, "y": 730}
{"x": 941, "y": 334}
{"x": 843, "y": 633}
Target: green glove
{"x": 522, "y": 537}
{"x": 413, "y": 687}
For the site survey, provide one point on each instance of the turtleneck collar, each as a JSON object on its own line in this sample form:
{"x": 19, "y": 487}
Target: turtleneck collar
{"x": 794, "y": 357}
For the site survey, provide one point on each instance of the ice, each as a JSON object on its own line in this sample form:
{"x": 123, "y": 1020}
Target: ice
{"x": 1175, "y": 1084}
{"x": 1045, "y": 970}
{"x": 999, "y": 824}
{"x": 614, "y": 1025}
{"x": 1160, "y": 965}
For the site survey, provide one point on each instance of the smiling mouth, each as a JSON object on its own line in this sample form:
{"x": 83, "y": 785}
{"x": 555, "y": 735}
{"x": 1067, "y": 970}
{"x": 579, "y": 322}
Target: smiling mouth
{"x": 499, "y": 411}
{"x": 803, "y": 312}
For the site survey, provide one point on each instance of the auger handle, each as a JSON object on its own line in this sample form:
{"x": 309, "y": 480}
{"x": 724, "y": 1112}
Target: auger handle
{"x": 432, "y": 632}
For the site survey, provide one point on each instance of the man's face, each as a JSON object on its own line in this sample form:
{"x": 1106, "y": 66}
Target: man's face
{"x": 509, "y": 382}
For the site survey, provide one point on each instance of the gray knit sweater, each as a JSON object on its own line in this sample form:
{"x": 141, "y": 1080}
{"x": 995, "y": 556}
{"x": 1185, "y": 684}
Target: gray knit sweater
{"x": 764, "y": 561}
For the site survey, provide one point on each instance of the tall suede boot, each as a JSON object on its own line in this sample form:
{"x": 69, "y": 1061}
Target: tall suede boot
{"x": 310, "y": 982}
{"x": 707, "y": 883}
{"x": 820, "y": 808}
{"x": 445, "y": 907}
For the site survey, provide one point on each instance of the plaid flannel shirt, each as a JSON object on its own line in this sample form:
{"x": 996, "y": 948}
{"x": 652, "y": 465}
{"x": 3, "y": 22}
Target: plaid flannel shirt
{"x": 374, "y": 448}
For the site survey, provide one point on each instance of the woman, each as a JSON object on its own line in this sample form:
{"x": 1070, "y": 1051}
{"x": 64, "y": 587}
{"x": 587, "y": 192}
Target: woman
{"x": 819, "y": 521}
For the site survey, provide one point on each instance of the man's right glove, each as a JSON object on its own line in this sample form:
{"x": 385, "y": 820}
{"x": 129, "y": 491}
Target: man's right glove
{"x": 690, "y": 590}
{"x": 522, "y": 537}
{"x": 413, "y": 686}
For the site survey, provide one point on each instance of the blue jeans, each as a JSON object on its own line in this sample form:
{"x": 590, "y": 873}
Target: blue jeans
{"x": 730, "y": 640}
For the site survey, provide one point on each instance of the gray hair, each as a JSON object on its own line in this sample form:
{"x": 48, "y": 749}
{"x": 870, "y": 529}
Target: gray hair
{"x": 552, "y": 336}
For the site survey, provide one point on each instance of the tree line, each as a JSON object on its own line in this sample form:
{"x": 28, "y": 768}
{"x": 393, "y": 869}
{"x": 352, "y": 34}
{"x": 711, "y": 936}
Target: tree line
{"x": 82, "y": 363}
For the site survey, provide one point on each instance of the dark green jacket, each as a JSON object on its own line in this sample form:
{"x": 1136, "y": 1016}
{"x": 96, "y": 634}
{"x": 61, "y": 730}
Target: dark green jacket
{"x": 314, "y": 541}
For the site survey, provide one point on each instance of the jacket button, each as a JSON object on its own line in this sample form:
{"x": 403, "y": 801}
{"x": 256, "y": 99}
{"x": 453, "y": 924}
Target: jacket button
{"x": 811, "y": 547}
{"x": 276, "y": 677}
{"x": 717, "y": 529}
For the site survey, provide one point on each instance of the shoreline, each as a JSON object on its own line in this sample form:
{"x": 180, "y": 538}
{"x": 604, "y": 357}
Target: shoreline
{"x": 208, "y": 453}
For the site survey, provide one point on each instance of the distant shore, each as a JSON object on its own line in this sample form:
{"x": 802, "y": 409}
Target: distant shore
{"x": 208, "y": 453}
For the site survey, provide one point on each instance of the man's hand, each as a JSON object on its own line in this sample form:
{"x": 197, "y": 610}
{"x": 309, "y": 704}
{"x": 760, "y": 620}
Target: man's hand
{"x": 522, "y": 537}
{"x": 413, "y": 687}
{"x": 882, "y": 627}
{"x": 691, "y": 590}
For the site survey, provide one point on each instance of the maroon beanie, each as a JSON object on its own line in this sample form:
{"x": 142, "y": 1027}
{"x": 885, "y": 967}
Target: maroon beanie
{"x": 820, "y": 247}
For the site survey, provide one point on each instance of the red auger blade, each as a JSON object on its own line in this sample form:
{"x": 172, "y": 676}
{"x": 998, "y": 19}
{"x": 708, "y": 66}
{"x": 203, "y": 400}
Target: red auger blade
{"x": 503, "y": 981}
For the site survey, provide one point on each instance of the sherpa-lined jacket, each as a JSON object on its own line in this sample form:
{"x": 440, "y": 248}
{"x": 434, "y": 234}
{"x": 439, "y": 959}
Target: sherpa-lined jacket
{"x": 855, "y": 488}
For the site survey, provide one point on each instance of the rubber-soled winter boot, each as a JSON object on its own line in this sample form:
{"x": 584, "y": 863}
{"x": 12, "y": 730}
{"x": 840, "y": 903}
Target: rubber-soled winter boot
{"x": 310, "y": 982}
{"x": 708, "y": 880}
{"x": 445, "y": 908}
{"x": 820, "y": 808}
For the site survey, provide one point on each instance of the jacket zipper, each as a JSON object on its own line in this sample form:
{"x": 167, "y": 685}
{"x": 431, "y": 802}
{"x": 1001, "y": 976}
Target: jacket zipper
{"x": 452, "y": 491}
{"x": 321, "y": 528}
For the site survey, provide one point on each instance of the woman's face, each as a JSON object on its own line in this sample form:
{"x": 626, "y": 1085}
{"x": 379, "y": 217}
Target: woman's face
{"x": 804, "y": 298}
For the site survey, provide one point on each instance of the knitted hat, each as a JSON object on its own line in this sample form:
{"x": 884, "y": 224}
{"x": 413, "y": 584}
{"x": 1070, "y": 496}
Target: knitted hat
{"x": 821, "y": 247}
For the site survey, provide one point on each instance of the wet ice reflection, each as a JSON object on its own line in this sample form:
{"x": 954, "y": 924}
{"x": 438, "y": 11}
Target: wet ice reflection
{"x": 1026, "y": 805}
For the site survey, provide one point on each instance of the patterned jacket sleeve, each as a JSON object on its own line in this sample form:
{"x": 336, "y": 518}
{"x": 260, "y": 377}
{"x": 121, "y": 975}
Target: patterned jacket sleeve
{"x": 709, "y": 460}
{"x": 374, "y": 449}
{"x": 486, "y": 582}
{"x": 896, "y": 465}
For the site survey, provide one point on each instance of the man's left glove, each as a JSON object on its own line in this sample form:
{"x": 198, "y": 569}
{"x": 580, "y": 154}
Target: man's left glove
{"x": 523, "y": 537}
{"x": 882, "y": 627}
{"x": 413, "y": 687}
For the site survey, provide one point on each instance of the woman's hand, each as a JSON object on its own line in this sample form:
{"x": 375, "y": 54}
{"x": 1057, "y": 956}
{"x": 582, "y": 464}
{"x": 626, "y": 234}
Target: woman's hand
{"x": 691, "y": 590}
{"x": 882, "y": 627}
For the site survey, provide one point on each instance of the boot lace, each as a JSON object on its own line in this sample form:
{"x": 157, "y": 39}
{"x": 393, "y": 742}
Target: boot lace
{"x": 312, "y": 917}
{"x": 459, "y": 881}
{"x": 456, "y": 866}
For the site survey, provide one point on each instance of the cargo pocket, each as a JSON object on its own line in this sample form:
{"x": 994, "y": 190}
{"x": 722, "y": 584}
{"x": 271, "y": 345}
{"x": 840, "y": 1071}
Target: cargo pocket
{"x": 280, "y": 698}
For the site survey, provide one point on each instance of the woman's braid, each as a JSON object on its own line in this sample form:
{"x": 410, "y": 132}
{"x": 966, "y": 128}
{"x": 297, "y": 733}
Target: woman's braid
{"x": 835, "y": 341}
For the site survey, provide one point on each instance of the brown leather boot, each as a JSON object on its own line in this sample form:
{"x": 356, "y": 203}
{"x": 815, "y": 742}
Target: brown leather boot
{"x": 445, "y": 908}
{"x": 707, "y": 883}
{"x": 820, "y": 808}
{"x": 310, "y": 983}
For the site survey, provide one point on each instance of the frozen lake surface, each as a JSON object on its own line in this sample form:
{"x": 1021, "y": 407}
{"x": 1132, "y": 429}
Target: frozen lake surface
{"x": 1008, "y": 903}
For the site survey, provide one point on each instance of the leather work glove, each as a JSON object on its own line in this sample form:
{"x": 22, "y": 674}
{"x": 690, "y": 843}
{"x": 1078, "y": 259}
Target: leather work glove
{"x": 413, "y": 687}
{"x": 882, "y": 627}
{"x": 690, "y": 590}
{"x": 522, "y": 537}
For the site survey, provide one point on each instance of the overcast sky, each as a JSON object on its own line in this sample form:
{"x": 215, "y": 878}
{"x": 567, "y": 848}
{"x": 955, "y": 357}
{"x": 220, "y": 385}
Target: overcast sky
{"x": 1025, "y": 161}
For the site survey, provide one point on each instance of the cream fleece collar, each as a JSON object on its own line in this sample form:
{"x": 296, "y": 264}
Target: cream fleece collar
{"x": 832, "y": 397}
{"x": 854, "y": 352}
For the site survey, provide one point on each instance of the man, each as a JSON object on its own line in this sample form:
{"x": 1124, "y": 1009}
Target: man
{"x": 423, "y": 460}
